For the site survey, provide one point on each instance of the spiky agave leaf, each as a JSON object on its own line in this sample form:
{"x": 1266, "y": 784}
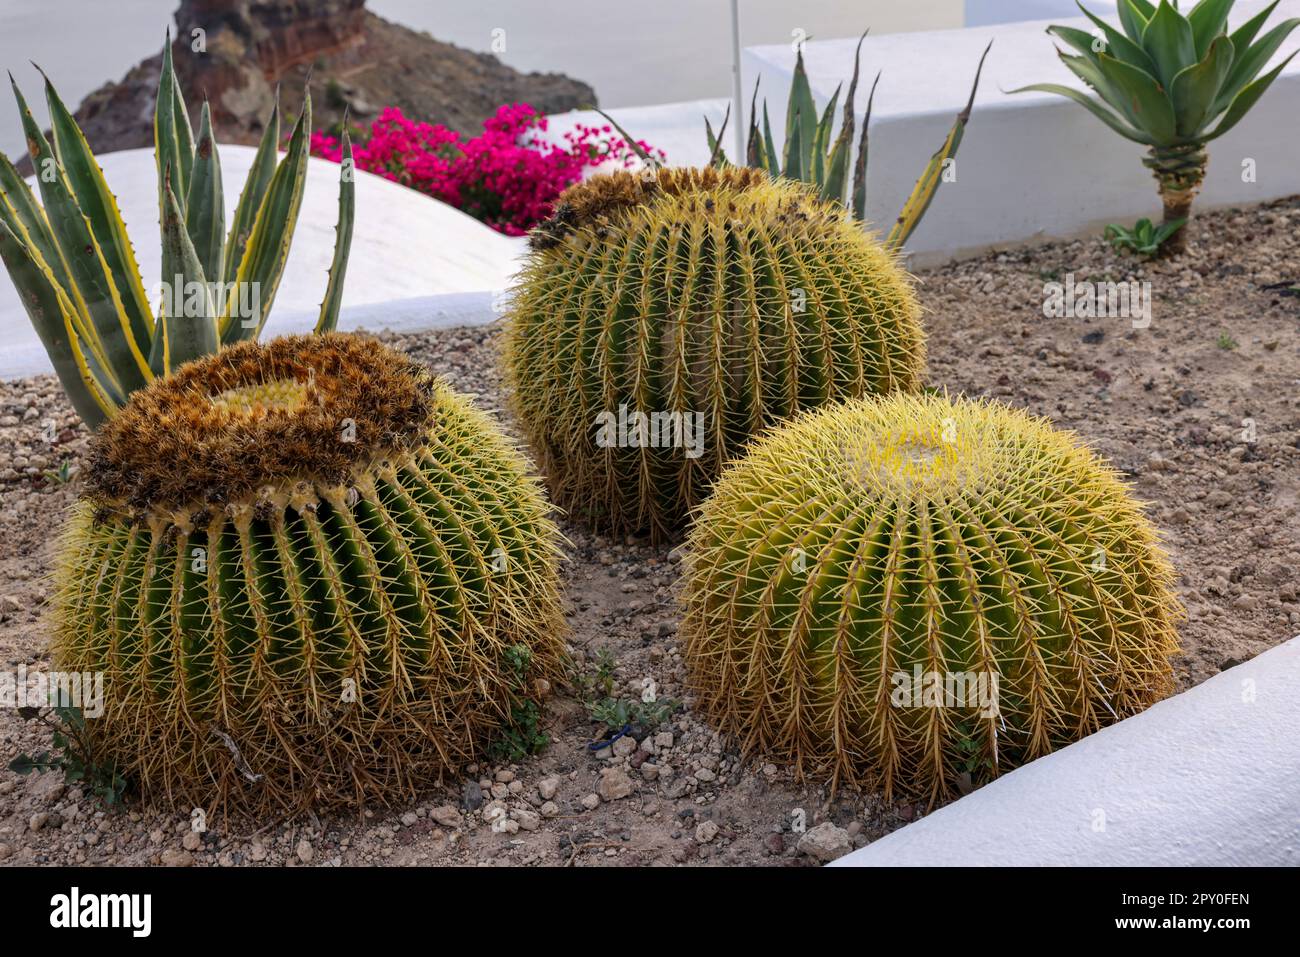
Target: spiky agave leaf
{"x": 720, "y": 296}
{"x": 862, "y": 548}
{"x": 327, "y": 622}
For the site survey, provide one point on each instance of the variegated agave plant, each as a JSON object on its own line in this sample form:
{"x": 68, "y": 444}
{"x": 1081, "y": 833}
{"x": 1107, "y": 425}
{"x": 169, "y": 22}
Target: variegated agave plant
{"x": 76, "y": 272}
{"x": 809, "y": 154}
{"x": 1172, "y": 82}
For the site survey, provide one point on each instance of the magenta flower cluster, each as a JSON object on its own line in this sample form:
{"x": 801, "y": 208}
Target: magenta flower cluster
{"x": 507, "y": 176}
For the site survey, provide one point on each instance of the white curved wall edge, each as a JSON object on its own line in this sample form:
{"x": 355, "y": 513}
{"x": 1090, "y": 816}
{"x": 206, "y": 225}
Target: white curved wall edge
{"x": 1208, "y": 777}
{"x": 409, "y": 252}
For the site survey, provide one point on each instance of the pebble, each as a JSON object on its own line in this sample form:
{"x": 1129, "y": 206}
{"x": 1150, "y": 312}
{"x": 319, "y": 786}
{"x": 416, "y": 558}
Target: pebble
{"x": 591, "y": 802}
{"x": 305, "y": 851}
{"x": 705, "y": 832}
{"x": 826, "y": 842}
{"x": 614, "y": 784}
{"x": 446, "y": 815}
{"x": 547, "y": 788}
{"x": 176, "y": 857}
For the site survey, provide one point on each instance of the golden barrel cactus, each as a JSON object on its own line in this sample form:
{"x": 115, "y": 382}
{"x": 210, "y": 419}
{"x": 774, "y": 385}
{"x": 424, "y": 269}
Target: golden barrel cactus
{"x": 309, "y": 573}
{"x": 664, "y": 319}
{"x": 917, "y": 594}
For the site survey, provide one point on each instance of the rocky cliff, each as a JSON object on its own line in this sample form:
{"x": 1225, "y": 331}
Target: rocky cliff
{"x": 235, "y": 52}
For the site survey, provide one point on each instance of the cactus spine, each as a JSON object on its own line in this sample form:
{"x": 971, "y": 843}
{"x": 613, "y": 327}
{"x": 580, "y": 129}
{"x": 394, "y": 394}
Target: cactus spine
{"x": 878, "y": 542}
{"x": 302, "y": 568}
{"x": 711, "y": 302}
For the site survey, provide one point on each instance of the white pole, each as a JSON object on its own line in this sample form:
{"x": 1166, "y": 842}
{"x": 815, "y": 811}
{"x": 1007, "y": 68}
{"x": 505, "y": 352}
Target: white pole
{"x": 737, "y": 116}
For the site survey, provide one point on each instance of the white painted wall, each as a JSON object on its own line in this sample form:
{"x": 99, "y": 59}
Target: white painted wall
{"x": 1207, "y": 777}
{"x": 981, "y": 13}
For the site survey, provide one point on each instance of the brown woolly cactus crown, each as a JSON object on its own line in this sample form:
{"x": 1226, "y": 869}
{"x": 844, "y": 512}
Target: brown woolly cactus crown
{"x": 603, "y": 201}
{"x": 257, "y": 419}
{"x": 311, "y": 575}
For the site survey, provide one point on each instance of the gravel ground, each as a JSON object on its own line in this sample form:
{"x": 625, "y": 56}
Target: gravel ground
{"x": 1200, "y": 410}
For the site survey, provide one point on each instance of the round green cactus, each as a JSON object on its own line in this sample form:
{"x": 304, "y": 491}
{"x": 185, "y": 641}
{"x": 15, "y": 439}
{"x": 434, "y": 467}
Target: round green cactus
{"x": 311, "y": 576}
{"x": 665, "y": 319}
{"x": 918, "y": 594}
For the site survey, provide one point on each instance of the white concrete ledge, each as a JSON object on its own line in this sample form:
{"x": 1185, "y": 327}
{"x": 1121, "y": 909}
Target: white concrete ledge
{"x": 1207, "y": 777}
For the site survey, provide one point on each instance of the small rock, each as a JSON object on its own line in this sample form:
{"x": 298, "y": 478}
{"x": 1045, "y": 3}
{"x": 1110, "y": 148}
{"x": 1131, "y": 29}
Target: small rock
{"x": 5, "y": 852}
{"x": 472, "y": 797}
{"x": 446, "y": 815}
{"x": 527, "y": 818}
{"x": 175, "y": 857}
{"x": 192, "y": 841}
{"x": 705, "y": 832}
{"x": 547, "y": 788}
{"x": 505, "y": 776}
{"x": 38, "y": 820}
{"x": 550, "y": 809}
{"x": 614, "y": 784}
{"x": 409, "y": 819}
{"x": 624, "y": 746}
{"x": 825, "y": 842}
{"x": 305, "y": 851}
{"x": 774, "y": 844}
{"x": 664, "y": 739}
{"x": 591, "y": 802}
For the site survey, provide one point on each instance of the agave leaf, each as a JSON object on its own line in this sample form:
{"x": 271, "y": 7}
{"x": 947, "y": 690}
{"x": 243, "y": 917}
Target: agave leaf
{"x": 1208, "y": 19}
{"x": 791, "y": 166}
{"x": 186, "y": 332}
{"x": 28, "y": 219}
{"x": 1245, "y": 34}
{"x": 1093, "y": 107}
{"x": 860, "y": 164}
{"x": 822, "y": 137}
{"x": 51, "y": 313}
{"x": 1250, "y": 60}
{"x": 103, "y": 319}
{"x": 928, "y": 184}
{"x": 754, "y": 154}
{"x": 1246, "y": 99}
{"x": 1147, "y": 102}
{"x": 268, "y": 246}
{"x": 250, "y": 198}
{"x": 184, "y": 131}
{"x": 1169, "y": 41}
{"x": 836, "y": 182}
{"x": 1133, "y": 17}
{"x": 1111, "y": 93}
{"x": 329, "y": 308}
{"x": 717, "y": 155}
{"x": 1080, "y": 40}
{"x": 800, "y": 115}
{"x": 769, "y": 145}
{"x": 1195, "y": 88}
{"x": 205, "y": 206}
{"x": 632, "y": 143}
{"x": 100, "y": 208}
{"x": 1118, "y": 45}
{"x": 168, "y": 137}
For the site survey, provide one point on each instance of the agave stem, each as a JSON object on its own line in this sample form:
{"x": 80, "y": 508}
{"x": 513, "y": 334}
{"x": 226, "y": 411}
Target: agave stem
{"x": 1179, "y": 171}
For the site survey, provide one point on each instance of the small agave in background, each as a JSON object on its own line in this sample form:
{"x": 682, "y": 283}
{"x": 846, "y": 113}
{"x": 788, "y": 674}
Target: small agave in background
{"x": 1166, "y": 79}
{"x": 75, "y": 269}
{"x": 810, "y": 156}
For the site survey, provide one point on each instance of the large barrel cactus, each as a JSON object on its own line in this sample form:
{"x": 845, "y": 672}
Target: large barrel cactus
{"x": 311, "y": 576}
{"x": 664, "y": 319}
{"x": 918, "y": 594}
